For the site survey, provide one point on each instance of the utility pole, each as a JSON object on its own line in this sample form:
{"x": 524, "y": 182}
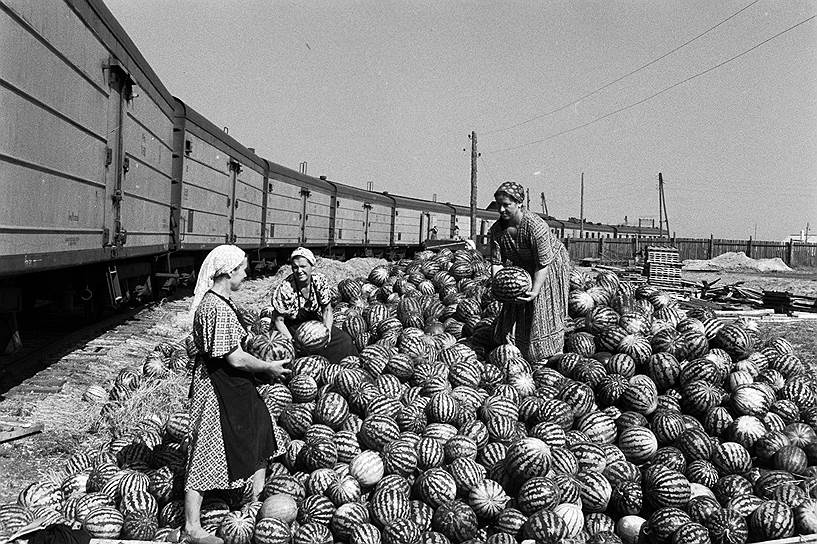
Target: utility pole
{"x": 660, "y": 205}
{"x": 544, "y": 204}
{"x": 581, "y": 210}
{"x": 663, "y": 216}
{"x": 474, "y": 185}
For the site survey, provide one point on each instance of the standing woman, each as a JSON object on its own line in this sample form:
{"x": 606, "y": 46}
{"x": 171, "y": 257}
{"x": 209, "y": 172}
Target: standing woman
{"x": 536, "y": 322}
{"x": 231, "y": 432}
{"x": 304, "y": 296}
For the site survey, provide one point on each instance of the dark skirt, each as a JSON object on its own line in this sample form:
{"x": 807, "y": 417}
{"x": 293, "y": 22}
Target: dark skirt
{"x": 246, "y": 426}
{"x": 340, "y": 345}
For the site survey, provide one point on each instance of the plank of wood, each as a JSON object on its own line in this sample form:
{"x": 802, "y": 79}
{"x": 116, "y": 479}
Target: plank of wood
{"x": 791, "y": 540}
{"x": 746, "y": 313}
{"x": 20, "y": 433}
{"x": 119, "y": 541}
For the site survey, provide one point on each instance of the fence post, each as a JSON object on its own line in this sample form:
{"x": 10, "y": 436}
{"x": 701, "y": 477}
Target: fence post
{"x": 789, "y": 252}
{"x": 749, "y": 247}
{"x": 601, "y": 249}
{"x": 711, "y": 246}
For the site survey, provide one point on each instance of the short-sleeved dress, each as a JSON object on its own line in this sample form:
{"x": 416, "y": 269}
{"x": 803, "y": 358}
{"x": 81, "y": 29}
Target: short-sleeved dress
{"x": 288, "y": 302}
{"x": 536, "y": 328}
{"x": 231, "y": 431}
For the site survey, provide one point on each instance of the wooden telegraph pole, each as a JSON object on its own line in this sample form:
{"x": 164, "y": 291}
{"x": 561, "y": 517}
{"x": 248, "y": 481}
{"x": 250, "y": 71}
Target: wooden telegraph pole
{"x": 474, "y": 186}
{"x": 660, "y": 205}
{"x": 581, "y": 210}
{"x": 663, "y": 217}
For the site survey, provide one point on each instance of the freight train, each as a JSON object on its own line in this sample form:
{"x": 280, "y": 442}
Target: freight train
{"x": 108, "y": 180}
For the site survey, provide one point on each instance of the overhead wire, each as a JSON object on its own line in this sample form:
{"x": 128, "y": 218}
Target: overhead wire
{"x": 654, "y": 95}
{"x": 485, "y": 165}
{"x": 628, "y": 74}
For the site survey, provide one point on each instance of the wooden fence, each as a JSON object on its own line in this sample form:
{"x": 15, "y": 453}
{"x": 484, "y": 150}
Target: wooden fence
{"x": 621, "y": 250}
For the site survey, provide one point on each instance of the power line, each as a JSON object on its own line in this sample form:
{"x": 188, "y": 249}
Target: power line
{"x": 487, "y": 171}
{"x": 662, "y": 91}
{"x": 628, "y": 74}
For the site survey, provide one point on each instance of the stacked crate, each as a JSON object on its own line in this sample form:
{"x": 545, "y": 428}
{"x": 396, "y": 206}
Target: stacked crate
{"x": 662, "y": 267}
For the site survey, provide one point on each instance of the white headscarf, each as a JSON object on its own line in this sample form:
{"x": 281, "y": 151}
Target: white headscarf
{"x": 222, "y": 260}
{"x": 305, "y": 253}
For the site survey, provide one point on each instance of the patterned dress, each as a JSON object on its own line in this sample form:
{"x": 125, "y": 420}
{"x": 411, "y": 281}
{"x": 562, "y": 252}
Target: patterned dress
{"x": 288, "y": 300}
{"x": 217, "y": 331}
{"x": 536, "y": 328}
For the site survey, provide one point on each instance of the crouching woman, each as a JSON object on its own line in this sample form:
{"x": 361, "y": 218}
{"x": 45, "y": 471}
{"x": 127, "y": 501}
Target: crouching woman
{"x": 304, "y": 296}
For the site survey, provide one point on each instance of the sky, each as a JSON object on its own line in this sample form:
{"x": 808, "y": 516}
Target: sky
{"x": 389, "y": 91}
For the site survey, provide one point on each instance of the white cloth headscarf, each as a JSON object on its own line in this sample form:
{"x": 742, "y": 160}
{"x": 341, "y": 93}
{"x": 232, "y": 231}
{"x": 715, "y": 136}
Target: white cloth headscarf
{"x": 222, "y": 260}
{"x": 305, "y": 253}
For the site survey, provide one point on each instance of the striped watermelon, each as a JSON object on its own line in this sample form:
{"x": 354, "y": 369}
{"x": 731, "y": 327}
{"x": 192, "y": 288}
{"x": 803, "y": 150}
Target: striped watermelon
{"x": 638, "y": 444}
{"x": 103, "y": 522}
{"x": 771, "y": 520}
{"x": 269, "y": 531}
{"x": 665, "y": 487}
{"x": 487, "y": 499}
{"x": 311, "y": 337}
{"x": 510, "y": 283}
{"x": 367, "y": 468}
{"x": 455, "y": 520}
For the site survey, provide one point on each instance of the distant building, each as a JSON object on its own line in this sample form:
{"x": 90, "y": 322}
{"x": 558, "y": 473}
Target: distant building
{"x": 804, "y": 237}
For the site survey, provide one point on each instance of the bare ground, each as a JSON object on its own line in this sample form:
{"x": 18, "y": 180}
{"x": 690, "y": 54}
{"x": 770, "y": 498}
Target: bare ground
{"x": 70, "y": 422}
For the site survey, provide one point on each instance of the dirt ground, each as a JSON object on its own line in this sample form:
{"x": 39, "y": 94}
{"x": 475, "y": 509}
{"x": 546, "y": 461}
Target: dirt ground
{"x": 799, "y": 282}
{"x": 69, "y": 422}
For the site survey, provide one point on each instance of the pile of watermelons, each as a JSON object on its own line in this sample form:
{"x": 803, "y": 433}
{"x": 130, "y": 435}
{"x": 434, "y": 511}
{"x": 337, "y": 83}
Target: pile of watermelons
{"x": 655, "y": 425}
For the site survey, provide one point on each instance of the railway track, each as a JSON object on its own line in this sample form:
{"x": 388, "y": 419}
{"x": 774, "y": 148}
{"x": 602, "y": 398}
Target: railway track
{"x": 41, "y": 386}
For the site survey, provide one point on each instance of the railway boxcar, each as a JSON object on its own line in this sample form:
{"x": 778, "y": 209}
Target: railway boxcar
{"x": 362, "y": 218}
{"x": 300, "y": 209}
{"x": 85, "y": 140}
{"x": 414, "y": 220}
{"x": 219, "y": 196}
{"x": 485, "y": 219}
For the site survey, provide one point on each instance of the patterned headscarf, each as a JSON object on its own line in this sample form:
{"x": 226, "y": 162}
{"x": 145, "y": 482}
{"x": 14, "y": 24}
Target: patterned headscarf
{"x": 513, "y": 190}
{"x": 222, "y": 260}
{"x": 305, "y": 253}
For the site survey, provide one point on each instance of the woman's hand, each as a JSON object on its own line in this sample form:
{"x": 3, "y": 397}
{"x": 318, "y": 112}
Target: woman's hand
{"x": 277, "y": 369}
{"x": 529, "y": 296}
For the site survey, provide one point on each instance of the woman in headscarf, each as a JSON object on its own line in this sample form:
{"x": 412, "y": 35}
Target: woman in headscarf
{"x": 536, "y": 322}
{"x": 231, "y": 431}
{"x": 304, "y": 296}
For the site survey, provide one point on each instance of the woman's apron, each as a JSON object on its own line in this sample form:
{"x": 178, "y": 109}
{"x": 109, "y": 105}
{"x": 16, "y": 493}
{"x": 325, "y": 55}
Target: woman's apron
{"x": 246, "y": 426}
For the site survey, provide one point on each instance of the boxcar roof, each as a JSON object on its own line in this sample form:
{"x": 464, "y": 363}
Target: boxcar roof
{"x": 288, "y": 175}
{"x": 102, "y": 22}
{"x": 422, "y": 205}
{"x": 206, "y": 130}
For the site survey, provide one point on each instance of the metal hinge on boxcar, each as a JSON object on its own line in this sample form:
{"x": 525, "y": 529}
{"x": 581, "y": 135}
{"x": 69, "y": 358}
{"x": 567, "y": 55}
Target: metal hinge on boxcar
{"x": 120, "y": 238}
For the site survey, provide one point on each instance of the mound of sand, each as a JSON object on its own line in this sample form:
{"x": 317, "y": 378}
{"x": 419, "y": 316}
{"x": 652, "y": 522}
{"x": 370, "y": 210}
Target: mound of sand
{"x": 736, "y": 261}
